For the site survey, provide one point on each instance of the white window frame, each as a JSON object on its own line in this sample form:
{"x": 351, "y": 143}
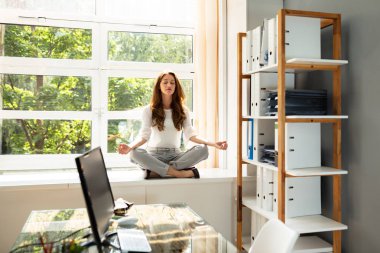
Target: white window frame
{"x": 99, "y": 68}
{"x": 58, "y": 63}
{"x": 23, "y": 162}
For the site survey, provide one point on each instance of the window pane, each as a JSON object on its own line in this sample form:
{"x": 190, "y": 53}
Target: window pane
{"x": 45, "y": 93}
{"x": 131, "y": 93}
{"x": 147, "y": 11}
{"x": 121, "y": 131}
{"x": 187, "y": 86}
{"x": 20, "y": 136}
{"x": 45, "y": 42}
{"x": 66, "y": 6}
{"x": 150, "y": 47}
{"x": 128, "y": 93}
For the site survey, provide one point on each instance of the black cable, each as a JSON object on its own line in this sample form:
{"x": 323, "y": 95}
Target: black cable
{"x": 51, "y": 242}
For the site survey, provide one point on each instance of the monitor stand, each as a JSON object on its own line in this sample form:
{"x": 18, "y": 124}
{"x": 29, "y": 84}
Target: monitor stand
{"x": 106, "y": 243}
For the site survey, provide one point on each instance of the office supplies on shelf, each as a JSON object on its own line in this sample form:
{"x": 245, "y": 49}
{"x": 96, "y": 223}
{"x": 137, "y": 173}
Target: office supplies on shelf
{"x": 256, "y": 34}
{"x": 246, "y": 99}
{"x": 259, "y": 186}
{"x": 302, "y": 196}
{"x": 272, "y": 41}
{"x": 267, "y": 190}
{"x": 293, "y": 46}
{"x": 264, "y": 53}
{"x": 269, "y": 155}
{"x": 302, "y": 145}
{"x": 302, "y": 37}
{"x": 248, "y": 51}
{"x": 298, "y": 102}
{"x": 250, "y": 134}
{"x": 260, "y": 84}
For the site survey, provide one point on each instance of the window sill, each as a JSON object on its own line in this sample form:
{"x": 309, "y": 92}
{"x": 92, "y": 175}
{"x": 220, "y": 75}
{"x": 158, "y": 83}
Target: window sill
{"x": 70, "y": 178}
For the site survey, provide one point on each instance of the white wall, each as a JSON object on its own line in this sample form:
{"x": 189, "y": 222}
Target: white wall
{"x": 236, "y": 22}
{"x": 211, "y": 199}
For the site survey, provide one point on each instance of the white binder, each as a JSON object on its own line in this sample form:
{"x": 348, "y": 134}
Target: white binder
{"x": 248, "y": 52}
{"x": 272, "y": 41}
{"x": 259, "y": 185}
{"x": 302, "y": 145}
{"x": 302, "y": 37}
{"x": 267, "y": 190}
{"x": 303, "y": 196}
{"x": 246, "y": 97}
{"x": 256, "y": 37}
{"x": 264, "y": 45}
{"x": 254, "y": 226}
{"x": 253, "y": 94}
{"x": 275, "y": 193}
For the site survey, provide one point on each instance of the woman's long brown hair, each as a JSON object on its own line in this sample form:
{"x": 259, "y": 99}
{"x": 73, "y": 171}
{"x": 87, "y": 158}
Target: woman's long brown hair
{"x": 177, "y": 105}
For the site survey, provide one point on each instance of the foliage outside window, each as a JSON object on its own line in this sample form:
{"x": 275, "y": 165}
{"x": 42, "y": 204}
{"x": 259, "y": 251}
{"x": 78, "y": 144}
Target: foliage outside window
{"x": 46, "y": 42}
{"x": 147, "y": 47}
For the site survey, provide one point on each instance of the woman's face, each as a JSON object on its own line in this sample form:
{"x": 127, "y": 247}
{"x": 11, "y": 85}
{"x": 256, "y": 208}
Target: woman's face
{"x": 167, "y": 85}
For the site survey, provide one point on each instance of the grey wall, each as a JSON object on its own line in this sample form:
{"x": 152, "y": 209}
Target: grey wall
{"x": 257, "y": 11}
{"x": 361, "y": 132}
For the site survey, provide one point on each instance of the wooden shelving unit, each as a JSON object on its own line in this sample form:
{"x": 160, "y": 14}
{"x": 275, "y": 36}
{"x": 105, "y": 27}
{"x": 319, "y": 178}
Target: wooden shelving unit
{"x": 303, "y": 224}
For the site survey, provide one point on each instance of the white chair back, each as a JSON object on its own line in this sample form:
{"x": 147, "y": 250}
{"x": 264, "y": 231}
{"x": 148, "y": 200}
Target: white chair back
{"x": 274, "y": 237}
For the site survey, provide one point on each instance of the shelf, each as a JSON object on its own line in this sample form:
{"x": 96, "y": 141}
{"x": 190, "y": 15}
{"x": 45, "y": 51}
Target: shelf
{"x": 301, "y": 65}
{"x": 267, "y": 69}
{"x": 304, "y": 172}
{"x": 315, "y": 119}
{"x": 311, "y": 244}
{"x": 259, "y": 117}
{"x": 317, "y": 171}
{"x": 310, "y": 223}
{"x": 302, "y": 224}
{"x": 250, "y": 202}
{"x": 265, "y": 165}
{"x": 314, "y": 224}
{"x": 302, "y": 118}
{"x": 324, "y": 62}
{"x": 304, "y": 244}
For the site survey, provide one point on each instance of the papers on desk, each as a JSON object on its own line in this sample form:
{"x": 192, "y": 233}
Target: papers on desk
{"x": 133, "y": 240}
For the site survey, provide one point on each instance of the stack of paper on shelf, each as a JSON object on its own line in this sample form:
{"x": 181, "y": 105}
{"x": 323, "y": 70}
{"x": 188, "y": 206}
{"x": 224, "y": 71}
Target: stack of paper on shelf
{"x": 299, "y": 102}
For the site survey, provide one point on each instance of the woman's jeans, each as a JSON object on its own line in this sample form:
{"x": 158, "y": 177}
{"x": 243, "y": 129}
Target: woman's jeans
{"x": 158, "y": 160}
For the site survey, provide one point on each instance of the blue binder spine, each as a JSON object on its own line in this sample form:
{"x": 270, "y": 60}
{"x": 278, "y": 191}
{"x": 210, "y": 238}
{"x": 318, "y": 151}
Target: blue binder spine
{"x": 250, "y": 139}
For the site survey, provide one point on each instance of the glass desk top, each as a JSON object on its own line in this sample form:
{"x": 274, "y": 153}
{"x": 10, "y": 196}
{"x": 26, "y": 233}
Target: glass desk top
{"x": 169, "y": 228}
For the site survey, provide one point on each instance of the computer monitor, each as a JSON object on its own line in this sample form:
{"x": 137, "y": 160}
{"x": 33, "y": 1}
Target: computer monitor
{"x": 97, "y": 193}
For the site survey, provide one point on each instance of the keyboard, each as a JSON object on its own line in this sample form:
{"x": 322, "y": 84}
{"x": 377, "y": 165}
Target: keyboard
{"x": 133, "y": 240}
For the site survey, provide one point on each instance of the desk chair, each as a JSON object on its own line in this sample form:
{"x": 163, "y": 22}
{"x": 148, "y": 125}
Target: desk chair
{"x": 274, "y": 237}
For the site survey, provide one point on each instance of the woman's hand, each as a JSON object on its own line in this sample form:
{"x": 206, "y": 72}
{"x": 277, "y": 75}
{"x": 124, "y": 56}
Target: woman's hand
{"x": 223, "y": 145}
{"x": 123, "y": 149}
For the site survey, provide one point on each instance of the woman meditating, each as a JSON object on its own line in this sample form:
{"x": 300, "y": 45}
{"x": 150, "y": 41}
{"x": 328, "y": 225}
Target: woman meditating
{"x": 163, "y": 122}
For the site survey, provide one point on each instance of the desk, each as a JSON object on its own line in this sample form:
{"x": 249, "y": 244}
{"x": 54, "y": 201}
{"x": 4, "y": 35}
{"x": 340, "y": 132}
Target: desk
{"x": 169, "y": 228}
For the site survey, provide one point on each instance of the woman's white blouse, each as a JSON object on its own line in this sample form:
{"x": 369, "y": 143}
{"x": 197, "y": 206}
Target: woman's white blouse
{"x": 170, "y": 137}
